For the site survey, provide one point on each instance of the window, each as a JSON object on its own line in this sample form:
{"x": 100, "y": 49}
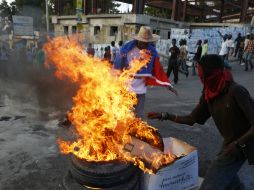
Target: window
{"x": 97, "y": 30}
{"x": 113, "y": 30}
{"x": 66, "y": 30}
{"x": 74, "y": 29}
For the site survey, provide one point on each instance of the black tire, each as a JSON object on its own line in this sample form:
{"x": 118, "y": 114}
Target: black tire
{"x": 102, "y": 174}
{"x": 69, "y": 183}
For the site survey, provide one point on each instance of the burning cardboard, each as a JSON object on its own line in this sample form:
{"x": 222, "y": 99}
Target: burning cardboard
{"x": 182, "y": 174}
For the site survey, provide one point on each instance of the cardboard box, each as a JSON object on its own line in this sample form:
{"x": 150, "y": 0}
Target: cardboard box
{"x": 181, "y": 175}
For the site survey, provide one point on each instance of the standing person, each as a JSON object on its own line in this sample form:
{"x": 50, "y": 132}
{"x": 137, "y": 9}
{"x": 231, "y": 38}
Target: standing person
{"x": 231, "y": 46}
{"x": 183, "y": 57}
{"x": 173, "y": 61}
{"x": 196, "y": 57}
{"x": 114, "y": 49}
{"x": 224, "y": 52}
{"x": 90, "y": 50}
{"x": 39, "y": 56}
{"x": 204, "y": 48}
{"x": 241, "y": 51}
{"x": 247, "y": 38}
{"x": 232, "y": 108}
{"x": 237, "y": 42}
{"x": 120, "y": 44}
{"x": 152, "y": 74}
{"x": 249, "y": 53}
{"x": 107, "y": 54}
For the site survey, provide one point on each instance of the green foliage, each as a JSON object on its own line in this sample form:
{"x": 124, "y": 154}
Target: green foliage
{"x": 113, "y": 7}
{"x": 7, "y": 10}
{"x": 157, "y": 12}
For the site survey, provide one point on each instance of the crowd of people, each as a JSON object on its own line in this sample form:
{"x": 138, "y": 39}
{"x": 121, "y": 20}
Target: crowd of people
{"x": 242, "y": 49}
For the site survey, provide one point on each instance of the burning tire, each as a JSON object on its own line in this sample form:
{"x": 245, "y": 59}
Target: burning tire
{"x": 112, "y": 175}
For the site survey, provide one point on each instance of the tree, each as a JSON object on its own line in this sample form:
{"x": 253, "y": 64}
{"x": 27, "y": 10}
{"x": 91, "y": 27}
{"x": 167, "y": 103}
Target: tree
{"x": 108, "y": 6}
{"x": 113, "y": 7}
{"x": 35, "y": 9}
{"x": 157, "y": 12}
{"x": 7, "y": 10}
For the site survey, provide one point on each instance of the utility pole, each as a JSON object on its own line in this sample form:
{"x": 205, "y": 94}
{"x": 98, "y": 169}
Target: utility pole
{"x": 47, "y": 15}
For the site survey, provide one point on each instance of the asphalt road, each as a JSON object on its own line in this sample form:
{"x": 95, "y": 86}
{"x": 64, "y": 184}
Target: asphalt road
{"x": 31, "y": 108}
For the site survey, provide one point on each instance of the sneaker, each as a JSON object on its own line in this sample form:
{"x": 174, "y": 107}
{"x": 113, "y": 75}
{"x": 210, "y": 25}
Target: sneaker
{"x": 242, "y": 64}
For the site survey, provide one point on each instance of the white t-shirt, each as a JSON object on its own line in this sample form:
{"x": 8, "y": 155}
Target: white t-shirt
{"x": 138, "y": 85}
{"x": 224, "y": 48}
{"x": 230, "y": 43}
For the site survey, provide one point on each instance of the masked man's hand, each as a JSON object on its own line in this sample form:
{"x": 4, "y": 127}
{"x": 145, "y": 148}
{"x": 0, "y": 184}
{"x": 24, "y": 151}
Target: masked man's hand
{"x": 229, "y": 149}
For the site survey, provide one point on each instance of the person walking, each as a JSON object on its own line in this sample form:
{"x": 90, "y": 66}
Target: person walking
{"x": 237, "y": 42}
{"x": 204, "y": 48}
{"x": 183, "y": 57}
{"x": 247, "y": 38}
{"x": 232, "y": 109}
{"x": 249, "y": 53}
{"x": 173, "y": 61}
{"x": 114, "y": 49}
{"x": 224, "y": 51}
{"x": 197, "y": 56}
{"x": 241, "y": 51}
{"x": 152, "y": 74}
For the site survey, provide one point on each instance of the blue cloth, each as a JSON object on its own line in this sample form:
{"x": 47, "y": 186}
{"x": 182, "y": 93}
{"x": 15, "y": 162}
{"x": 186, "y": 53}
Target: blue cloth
{"x": 121, "y": 61}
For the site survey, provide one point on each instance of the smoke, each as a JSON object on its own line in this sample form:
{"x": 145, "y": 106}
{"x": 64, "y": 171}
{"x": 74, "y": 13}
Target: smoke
{"x": 49, "y": 91}
{"x": 21, "y": 68}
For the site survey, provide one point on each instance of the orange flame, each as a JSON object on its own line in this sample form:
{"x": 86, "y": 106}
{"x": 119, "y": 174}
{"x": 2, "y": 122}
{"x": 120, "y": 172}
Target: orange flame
{"x": 102, "y": 114}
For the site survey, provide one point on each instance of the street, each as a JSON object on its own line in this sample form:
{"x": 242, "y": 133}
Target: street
{"x": 31, "y": 108}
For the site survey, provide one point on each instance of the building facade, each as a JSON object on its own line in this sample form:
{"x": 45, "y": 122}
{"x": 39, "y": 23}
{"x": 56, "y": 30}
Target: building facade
{"x": 104, "y": 28}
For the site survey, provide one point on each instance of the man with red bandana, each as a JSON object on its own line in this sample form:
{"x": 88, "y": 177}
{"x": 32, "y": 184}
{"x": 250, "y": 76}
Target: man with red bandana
{"x": 232, "y": 108}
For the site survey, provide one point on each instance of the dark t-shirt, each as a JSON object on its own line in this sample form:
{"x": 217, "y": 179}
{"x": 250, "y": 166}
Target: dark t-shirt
{"x": 232, "y": 112}
{"x": 197, "y": 55}
{"x": 174, "y": 52}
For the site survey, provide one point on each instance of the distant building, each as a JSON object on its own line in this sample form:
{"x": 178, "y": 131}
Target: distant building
{"x": 104, "y": 28}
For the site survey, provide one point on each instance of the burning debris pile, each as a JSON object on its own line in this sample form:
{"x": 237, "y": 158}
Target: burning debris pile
{"x": 102, "y": 113}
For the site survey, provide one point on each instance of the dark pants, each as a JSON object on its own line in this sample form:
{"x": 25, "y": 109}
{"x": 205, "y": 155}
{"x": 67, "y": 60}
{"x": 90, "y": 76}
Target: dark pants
{"x": 236, "y": 50}
{"x": 248, "y": 62}
{"x": 240, "y": 55}
{"x": 194, "y": 65}
{"x": 222, "y": 174}
{"x": 226, "y": 63}
{"x": 173, "y": 66}
{"x": 183, "y": 68}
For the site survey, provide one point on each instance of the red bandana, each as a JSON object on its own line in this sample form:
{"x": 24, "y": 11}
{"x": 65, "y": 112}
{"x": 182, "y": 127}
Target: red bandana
{"x": 215, "y": 83}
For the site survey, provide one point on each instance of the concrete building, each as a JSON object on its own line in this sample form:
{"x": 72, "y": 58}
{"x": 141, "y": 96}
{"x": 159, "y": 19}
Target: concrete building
{"x": 104, "y": 28}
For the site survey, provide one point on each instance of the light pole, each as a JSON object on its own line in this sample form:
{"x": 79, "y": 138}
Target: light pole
{"x": 47, "y": 15}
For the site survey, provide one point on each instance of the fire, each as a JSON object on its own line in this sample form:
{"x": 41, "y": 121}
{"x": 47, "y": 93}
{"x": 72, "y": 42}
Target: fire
{"x": 103, "y": 106}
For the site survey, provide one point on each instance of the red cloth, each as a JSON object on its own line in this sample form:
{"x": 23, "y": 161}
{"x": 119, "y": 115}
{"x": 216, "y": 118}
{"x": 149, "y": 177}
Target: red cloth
{"x": 159, "y": 77}
{"x": 215, "y": 83}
